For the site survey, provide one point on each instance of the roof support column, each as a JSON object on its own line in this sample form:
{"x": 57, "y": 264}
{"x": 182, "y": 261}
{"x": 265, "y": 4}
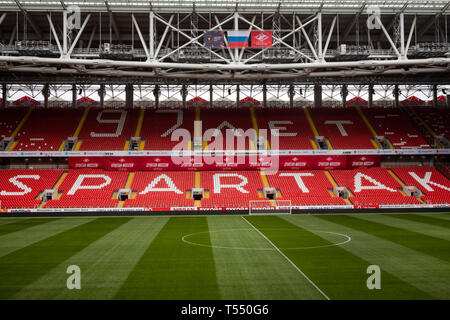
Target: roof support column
{"x": 344, "y": 93}
{"x": 317, "y": 96}
{"x": 156, "y": 95}
{"x": 211, "y": 103}
{"x": 101, "y": 93}
{"x": 129, "y": 91}
{"x": 4, "y": 95}
{"x": 435, "y": 101}
{"x": 396, "y": 96}
{"x": 237, "y": 96}
{"x": 264, "y": 92}
{"x": 370, "y": 100}
{"x": 46, "y": 94}
{"x": 184, "y": 94}
{"x": 74, "y": 96}
{"x": 291, "y": 93}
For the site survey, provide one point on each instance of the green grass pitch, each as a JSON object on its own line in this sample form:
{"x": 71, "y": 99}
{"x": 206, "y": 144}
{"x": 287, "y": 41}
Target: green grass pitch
{"x": 227, "y": 256}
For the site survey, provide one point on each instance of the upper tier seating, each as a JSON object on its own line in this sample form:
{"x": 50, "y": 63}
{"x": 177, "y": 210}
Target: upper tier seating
{"x": 345, "y": 130}
{"x": 223, "y": 120}
{"x": 372, "y": 186}
{"x": 395, "y": 126}
{"x": 161, "y": 189}
{"x": 434, "y": 185}
{"x": 9, "y": 119}
{"x": 158, "y": 126}
{"x": 437, "y": 119}
{"x": 46, "y": 129}
{"x": 108, "y": 129}
{"x": 294, "y": 130}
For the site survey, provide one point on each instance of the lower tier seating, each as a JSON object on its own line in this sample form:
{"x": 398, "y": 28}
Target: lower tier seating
{"x": 96, "y": 188}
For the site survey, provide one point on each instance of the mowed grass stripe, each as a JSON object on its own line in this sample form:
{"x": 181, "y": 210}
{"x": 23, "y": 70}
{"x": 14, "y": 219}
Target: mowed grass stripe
{"x": 105, "y": 264}
{"x": 415, "y": 269}
{"x": 434, "y": 247}
{"x": 244, "y": 274}
{"x": 337, "y": 272}
{"x": 173, "y": 269}
{"x": 24, "y": 266}
{"x": 4, "y": 220}
{"x": 20, "y": 225}
{"x": 398, "y": 221}
{"x": 17, "y": 240}
{"x": 432, "y": 220}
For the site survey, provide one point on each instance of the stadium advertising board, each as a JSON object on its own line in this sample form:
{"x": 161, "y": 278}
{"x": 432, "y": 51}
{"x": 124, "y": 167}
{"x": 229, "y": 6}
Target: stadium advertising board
{"x": 161, "y": 163}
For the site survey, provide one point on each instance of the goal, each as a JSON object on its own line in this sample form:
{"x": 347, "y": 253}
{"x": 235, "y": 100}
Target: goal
{"x": 270, "y": 207}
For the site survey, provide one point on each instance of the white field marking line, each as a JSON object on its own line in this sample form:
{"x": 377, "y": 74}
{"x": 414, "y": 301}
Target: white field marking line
{"x": 348, "y": 239}
{"x": 289, "y": 260}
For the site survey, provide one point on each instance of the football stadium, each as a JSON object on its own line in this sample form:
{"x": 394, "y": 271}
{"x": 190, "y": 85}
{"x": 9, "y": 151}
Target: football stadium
{"x": 225, "y": 150}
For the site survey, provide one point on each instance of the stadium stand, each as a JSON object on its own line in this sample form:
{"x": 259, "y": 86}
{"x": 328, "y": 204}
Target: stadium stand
{"x": 232, "y": 189}
{"x": 372, "y": 186}
{"x": 46, "y": 129}
{"x": 224, "y": 120}
{"x": 345, "y": 130}
{"x": 89, "y": 188}
{"x": 9, "y": 120}
{"x": 294, "y": 130}
{"x": 434, "y": 185}
{"x": 305, "y": 187}
{"x": 159, "y": 125}
{"x": 161, "y": 189}
{"x": 21, "y": 188}
{"x": 108, "y": 129}
{"x": 395, "y": 126}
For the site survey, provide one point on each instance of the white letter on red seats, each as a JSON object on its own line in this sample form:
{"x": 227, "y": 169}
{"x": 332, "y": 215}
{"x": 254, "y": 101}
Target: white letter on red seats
{"x": 298, "y": 179}
{"x": 339, "y": 124}
{"x": 171, "y": 186}
{"x": 376, "y": 184}
{"x": 425, "y": 181}
{"x": 78, "y": 184}
{"x": 218, "y": 186}
{"x": 274, "y": 128}
{"x": 19, "y": 185}
{"x": 120, "y": 123}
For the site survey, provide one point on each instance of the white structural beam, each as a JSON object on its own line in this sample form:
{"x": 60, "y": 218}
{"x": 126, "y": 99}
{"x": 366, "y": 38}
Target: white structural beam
{"x": 55, "y": 35}
{"x": 2, "y": 17}
{"x": 218, "y": 66}
{"x": 74, "y": 43}
{"x": 163, "y": 36}
{"x": 207, "y": 76}
{"x": 138, "y": 30}
{"x": 411, "y": 31}
{"x": 329, "y": 36}
{"x": 308, "y": 40}
{"x": 388, "y": 37}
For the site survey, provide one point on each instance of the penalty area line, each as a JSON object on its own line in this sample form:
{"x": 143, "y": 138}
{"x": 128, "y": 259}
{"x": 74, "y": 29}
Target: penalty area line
{"x": 289, "y": 260}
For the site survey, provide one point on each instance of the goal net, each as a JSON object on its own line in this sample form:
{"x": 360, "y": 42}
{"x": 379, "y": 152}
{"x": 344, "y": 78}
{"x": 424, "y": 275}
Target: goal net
{"x": 270, "y": 206}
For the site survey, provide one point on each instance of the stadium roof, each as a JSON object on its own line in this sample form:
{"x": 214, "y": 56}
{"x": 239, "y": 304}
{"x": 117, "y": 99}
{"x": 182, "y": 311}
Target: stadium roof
{"x": 303, "y": 6}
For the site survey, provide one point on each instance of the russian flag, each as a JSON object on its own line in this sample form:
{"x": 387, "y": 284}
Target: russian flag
{"x": 238, "y": 38}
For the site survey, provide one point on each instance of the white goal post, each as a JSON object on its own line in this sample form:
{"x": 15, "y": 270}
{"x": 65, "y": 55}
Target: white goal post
{"x": 270, "y": 207}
